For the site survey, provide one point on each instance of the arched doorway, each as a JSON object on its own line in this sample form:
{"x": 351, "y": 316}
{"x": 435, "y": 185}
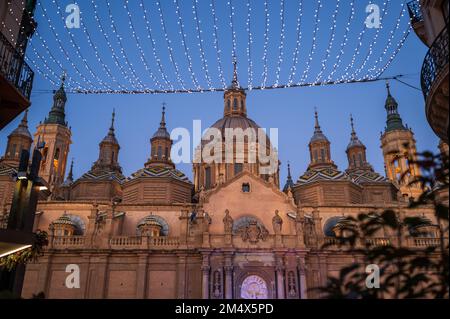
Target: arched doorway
{"x": 254, "y": 287}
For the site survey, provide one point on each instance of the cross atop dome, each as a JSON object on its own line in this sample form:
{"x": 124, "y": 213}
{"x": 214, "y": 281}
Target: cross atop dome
{"x": 235, "y": 96}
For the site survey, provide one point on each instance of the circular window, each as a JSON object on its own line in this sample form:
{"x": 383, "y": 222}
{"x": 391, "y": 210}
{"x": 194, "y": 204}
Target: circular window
{"x": 254, "y": 287}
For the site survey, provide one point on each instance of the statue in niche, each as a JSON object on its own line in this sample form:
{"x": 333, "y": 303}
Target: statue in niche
{"x": 228, "y": 222}
{"x": 217, "y": 285}
{"x": 277, "y": 223}
{"x": 206, "y": 221}
{"x": 309, "y": 231}
{"x": 201, "y": 195}
{"x": 292, "y": 287}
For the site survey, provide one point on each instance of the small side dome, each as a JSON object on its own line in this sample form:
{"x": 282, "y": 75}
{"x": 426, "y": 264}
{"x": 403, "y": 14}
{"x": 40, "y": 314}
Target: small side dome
{"x": 64, "y": 226}
{"x": 152, "y": 226}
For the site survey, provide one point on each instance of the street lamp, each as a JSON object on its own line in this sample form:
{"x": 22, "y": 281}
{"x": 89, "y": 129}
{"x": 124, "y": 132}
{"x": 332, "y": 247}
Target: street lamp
{"x": 19, "y": 232}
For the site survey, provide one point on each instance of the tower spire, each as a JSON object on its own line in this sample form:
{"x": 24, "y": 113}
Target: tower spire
{"x": 394, "y": 121}
{"x": 111, "y": 129}
{"x": 57, "y": 113}
{"x": 317, "y": 126}
{"x": 70, "y": 175}
{"x": 163, "y": 116}
{"x": 235, "y": 82}
{"x": 289, "y": 182}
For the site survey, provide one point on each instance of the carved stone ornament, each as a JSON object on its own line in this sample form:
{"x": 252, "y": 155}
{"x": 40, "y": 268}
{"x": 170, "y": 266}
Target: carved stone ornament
{"x": 253, "y": 232}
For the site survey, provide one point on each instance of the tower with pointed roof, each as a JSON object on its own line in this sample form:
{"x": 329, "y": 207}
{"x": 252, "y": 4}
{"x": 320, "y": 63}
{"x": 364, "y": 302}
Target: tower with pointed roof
{"x": 19, "y": 139}
{"x": 54, "y": 136}
{"x": 319, "y": 148}
{"x": 161, "y": 144}
{"x": 108, "y": 157}
{"x": 289, "y": 181}
{"x": 399, "y": 148}
{"x": 356, "y": 152}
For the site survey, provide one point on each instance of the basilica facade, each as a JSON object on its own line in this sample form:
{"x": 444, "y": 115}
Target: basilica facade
{"x": 231, "y": 233}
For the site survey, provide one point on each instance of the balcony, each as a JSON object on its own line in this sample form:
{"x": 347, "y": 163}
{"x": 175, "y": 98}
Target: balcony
{"x": 417, "y": 21}
{"x": 435, "y": 87}
{"x": 16, "y": 81}
{"x": 415, "y": 12}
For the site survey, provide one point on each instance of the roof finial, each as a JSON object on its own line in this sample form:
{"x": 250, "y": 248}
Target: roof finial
{"x": 316, "y": 115}
{"x": 388, "y": 87}
{"x": 113, "y": 120}
{"x": 163, "y": 117}
{"x": 63, "y": 78}
{"x": 235, "y": 83}
{"x": 352, "y": 124}
{"x": 70, "y": 176}
{"x": 24, "y": 121}
{"x": 289, "y": 170}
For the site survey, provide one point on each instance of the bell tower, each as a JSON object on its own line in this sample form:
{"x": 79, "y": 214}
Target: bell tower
{"x": 235, "y": 97}
{"x": 356, "y": 152}
{"x": 161, "y": 145}
{"x": 55, "y": 137}
{"x": 399, "y": 147}
{"x": 319, "y": 148}
{"x": 20, "y": 139}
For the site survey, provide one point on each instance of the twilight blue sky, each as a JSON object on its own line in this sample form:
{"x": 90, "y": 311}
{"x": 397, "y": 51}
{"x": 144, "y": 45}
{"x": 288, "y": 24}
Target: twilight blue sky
{"x": 291, "y": 110}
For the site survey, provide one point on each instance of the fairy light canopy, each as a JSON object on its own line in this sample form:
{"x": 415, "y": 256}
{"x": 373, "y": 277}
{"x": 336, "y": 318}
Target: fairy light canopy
{"x": 188, "y": 46}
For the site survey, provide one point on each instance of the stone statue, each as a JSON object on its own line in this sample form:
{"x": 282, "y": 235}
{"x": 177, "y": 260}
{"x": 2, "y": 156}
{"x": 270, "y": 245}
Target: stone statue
{"x": 201, "y": 196}
{"x": 277, "y": 223}
{"x": 228, "y": 222}
{"x": 206, "y": 221}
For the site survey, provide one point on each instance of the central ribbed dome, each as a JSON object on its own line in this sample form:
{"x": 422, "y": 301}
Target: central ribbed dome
{"x": 233, "y": 122}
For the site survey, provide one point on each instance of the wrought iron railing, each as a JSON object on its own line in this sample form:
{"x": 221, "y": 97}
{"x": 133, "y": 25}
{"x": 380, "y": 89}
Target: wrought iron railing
{"x": 414, "y": 11}
{"x": 13, "y": 67}
{"x": 435, "y": 61}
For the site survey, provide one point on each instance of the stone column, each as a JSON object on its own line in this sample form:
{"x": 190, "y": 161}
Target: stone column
{"x": 318, "y": 226}
{"x": 206, "y": 268}
{"x": 141, "y": 276}
{"x": 228, "y": 276}
{"x": 280, "y": 276}
{"x": 181, "y": 276}
{"x": 184, "y": 220}
{"x": 302, "y": 277}
{"x": 45, "y": 263}
{"x": 299, "y": 223}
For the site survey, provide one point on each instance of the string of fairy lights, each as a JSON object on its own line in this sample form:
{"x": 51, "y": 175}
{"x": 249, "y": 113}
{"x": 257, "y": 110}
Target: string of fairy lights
{"x": 147, "y": 49}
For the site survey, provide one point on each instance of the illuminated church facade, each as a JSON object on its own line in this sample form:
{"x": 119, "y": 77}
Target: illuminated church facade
{"x": 230, "y": 233}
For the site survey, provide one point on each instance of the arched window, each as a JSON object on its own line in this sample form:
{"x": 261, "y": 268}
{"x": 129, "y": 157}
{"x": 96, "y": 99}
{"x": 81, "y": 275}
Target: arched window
{"x": 229, "y": 105}
{"x": 208, "y": 178}
{"x": 316, "y": 156}
{"x": 167, "y": 153}
{"x": 112, "y": 157}
{"x": 238, "y": 167}
{"x": 235, "y": 104}
{"x": 160, "y": 152}
{"x": 330, "y": 226}
{"x": 12, "y": 151}
{"x": 322, "y": 154}
{"x": 360, "y": 159}
{"x": 354, "y": 160}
